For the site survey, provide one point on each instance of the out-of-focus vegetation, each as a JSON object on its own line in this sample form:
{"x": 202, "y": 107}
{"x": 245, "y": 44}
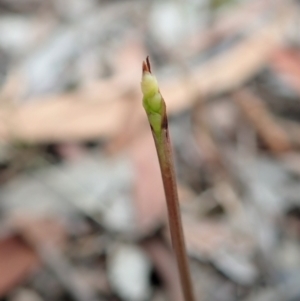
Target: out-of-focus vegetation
{"x": 82, "y": 207}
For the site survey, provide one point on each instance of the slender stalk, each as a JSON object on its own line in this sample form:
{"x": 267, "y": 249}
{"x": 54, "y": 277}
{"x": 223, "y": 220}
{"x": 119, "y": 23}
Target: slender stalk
{"x": 156, "y": 111}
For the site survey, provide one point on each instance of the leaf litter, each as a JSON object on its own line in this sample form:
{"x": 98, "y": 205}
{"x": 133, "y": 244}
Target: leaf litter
{"x": 82, "y": 206}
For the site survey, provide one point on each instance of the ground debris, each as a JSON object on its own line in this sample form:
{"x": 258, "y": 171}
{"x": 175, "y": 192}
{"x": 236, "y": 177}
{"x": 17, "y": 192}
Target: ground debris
{"x": 82, "y": 206}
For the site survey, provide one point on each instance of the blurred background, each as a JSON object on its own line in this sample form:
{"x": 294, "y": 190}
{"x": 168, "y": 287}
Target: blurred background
{"x": 82, "y": 209}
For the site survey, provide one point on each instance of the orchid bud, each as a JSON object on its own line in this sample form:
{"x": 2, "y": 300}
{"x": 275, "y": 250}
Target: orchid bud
{"x": 152, "y": 100}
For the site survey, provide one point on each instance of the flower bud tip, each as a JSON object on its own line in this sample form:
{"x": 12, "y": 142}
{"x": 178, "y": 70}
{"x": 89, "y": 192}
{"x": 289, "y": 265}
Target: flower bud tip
{"x": 146, "y": 65}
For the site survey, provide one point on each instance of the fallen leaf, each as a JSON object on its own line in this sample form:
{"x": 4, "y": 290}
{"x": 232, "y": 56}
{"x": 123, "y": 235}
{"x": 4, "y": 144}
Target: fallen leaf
{"x": 286, "y": 63}
{"x": 257, "y": 113}
{"x": 17, "y": 262}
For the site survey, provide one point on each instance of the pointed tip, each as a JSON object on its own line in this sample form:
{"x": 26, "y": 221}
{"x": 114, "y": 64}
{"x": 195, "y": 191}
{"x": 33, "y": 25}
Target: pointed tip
{"x": 146, "y": 65}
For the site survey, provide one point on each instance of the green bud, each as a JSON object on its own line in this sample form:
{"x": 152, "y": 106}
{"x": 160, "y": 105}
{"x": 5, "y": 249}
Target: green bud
{"x": 155, "y": 121}
{"x": 149, "y": 84}
{"x": 152, "y": 100}
{"x": 153, "y": 104}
